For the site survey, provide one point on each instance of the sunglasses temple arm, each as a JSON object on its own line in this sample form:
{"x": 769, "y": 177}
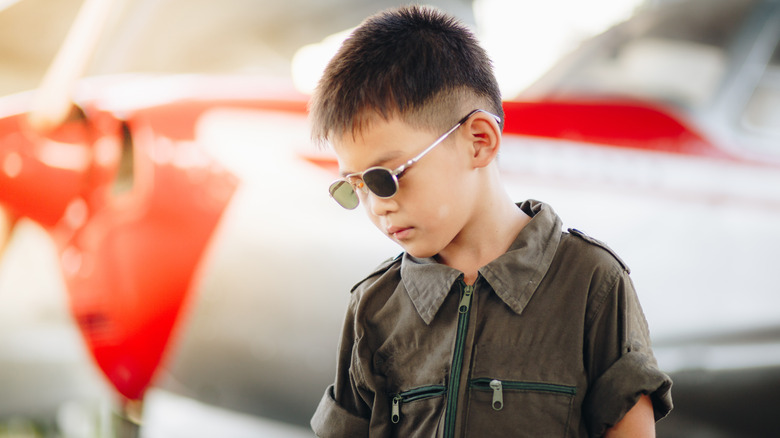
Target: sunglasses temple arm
{"x": 400, "y": 170}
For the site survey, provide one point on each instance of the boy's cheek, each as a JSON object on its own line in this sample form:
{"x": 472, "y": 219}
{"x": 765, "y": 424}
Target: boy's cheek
{"x": 372, "y": 217}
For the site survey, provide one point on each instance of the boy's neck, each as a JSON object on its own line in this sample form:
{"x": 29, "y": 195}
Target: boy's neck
{"x": 486, "y": 238}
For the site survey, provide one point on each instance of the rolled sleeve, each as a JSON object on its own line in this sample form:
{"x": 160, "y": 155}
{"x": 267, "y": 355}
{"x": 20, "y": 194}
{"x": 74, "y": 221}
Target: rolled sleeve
{"x": 619, "y": 388}
{"x": 621, "y": 363}
{"x": 332, "y": 420}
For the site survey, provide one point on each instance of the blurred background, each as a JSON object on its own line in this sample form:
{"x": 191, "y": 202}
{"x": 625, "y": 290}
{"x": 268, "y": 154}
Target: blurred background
{"x": 651, "y": 125}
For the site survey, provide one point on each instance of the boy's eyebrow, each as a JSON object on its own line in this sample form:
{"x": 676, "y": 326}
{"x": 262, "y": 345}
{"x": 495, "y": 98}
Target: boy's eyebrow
{"x": 378, "y": 162}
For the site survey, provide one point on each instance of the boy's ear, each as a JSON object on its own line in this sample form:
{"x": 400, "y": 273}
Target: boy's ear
{"x": 485, "y": 139}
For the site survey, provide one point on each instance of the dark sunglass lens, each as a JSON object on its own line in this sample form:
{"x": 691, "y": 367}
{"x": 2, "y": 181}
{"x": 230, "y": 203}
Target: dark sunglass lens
{"x": 343, "y": 193}
{"x": 381, "y": 182}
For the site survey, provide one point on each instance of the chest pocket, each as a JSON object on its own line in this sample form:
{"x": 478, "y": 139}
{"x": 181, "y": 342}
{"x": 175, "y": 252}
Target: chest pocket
{"x": 518, "y": 409}
{"x": 417, "y": 412}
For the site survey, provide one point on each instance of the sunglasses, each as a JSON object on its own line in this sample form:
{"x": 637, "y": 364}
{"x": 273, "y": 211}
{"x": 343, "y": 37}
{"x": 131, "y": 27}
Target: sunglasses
{"x": 381, "y": 181}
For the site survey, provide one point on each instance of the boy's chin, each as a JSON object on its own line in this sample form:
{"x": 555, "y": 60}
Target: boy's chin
{"x": 416, "y": 252}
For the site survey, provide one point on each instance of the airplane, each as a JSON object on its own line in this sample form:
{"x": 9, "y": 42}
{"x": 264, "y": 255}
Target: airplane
{"x": 203, "y": 258}
{"x": 696, "y": 221}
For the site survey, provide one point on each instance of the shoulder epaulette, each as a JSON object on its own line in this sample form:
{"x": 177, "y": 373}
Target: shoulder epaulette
{"x": 381, "y": 269}
{"x": 600, "y": 244}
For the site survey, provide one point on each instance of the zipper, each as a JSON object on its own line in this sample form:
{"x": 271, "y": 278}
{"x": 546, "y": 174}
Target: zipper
{"x": 411, "y": 395}
{"x": 498, "y": 387}
{"x": 457, "y": 360}
{"x": 498, "y": 394}
{"x": 465, "y": 301}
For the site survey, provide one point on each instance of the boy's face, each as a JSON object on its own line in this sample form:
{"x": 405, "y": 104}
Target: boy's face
{"x": 432, "y": 206}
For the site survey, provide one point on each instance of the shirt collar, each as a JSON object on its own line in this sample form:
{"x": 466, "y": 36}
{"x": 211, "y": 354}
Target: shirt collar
{"x": 514, "y": 275}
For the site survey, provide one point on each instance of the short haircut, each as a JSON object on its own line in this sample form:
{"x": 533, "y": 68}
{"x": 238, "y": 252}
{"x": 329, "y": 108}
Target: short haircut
{"x": 413, "y": 62}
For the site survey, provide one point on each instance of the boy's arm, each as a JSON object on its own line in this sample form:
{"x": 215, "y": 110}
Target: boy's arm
{"x": 342, "y": 412}
{"x": 621, "y": 363}
{"x": 639, "y": 422}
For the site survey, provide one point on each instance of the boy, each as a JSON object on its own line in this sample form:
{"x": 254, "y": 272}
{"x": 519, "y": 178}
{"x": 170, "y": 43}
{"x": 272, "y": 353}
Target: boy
{"x": 493, "y": 322}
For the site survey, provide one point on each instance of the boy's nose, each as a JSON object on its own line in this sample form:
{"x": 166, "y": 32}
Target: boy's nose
{"x": 380, "y": 206}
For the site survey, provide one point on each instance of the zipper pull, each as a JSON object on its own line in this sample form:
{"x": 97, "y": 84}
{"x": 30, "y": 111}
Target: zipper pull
{"x": 498, "y": 394}
{"x": 395, "y": 416}
{"x": 465, "y": 302}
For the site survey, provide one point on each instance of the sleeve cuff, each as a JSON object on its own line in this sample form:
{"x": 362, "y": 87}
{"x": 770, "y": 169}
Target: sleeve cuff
{"x": 620, "y": 387}
{"x": 332, "y": 420}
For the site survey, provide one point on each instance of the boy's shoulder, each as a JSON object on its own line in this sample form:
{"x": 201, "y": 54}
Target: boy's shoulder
{"x": 600, "y": 247}
{"x": 377, "y": 272}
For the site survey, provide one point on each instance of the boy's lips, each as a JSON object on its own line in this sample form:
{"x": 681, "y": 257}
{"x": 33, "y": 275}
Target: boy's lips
{"x": 399, "y": 232}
